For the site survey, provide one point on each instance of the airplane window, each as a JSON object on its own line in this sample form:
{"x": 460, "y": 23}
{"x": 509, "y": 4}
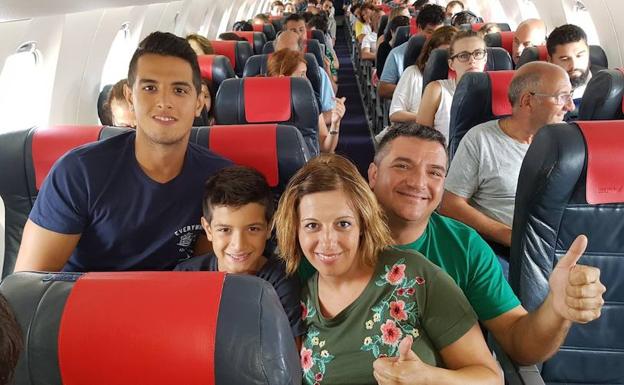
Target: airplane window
{"x": 528, "y": 10}
{"x": 223, "y": 25}
{"x": 20, "y": 107}
{"x": 118, "y": 59}
{"x": 577, "y": 13}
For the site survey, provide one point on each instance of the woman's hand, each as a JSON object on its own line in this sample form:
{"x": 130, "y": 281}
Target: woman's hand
{"x": 338, "y": 111}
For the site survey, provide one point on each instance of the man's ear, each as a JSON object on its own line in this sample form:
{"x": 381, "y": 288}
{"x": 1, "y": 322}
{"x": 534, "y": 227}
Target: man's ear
{"x": 207, "y": 228}
{"x": 372, "y": 175}
{"x": 199, "y": 103}
{"x": 127, "y": 91}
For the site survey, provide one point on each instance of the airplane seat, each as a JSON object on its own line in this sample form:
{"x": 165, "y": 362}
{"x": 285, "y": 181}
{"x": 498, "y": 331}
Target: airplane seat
{"x": 101, "y": 102}
{"x": 383, "y": 24}
{"x": 215, "y": 69}
{"x": 237, "y": 51}
{"x": 257, "y": 65}
{"x": 316, "y": 35}
{"x": 151, "y": 328}
{"x": 257, "y": 40}
{"x": 604, "y": 96}
{"x": 277, "y": 151}
{"x": 277, "y": 22}
{"x": 268, "y": 30}
{"x": 414, "y": 46}
{"x": 477, "y": 26}
{"x": 570, "y": 184}
{"x": 401, "y": 35}
{"x": 310, "y": 46}
{"x": 598, "y": 57}
{"x": 31, "y": 154}
{"x": 245, "y": 101}
{"x": 437, "y": 66}
{"x": 413, "y": 27}
{"x": 2, "y": 234}
{"x": 500, "y": 39}
{"x": 479, "y": 97}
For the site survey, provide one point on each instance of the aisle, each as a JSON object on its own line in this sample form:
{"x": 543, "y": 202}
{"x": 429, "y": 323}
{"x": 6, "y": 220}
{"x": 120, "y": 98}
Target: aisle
{"x": 355, "y": 140}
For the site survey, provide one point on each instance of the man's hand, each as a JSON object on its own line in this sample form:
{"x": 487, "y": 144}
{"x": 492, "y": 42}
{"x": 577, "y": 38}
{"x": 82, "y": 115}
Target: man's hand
{"x": 405, "y": 369}
{"x": 576, "y": 289}
{"x": 338, "y": 111}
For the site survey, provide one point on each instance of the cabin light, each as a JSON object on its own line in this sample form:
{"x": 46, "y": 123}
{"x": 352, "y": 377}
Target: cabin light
{"x": 125, "y": 29}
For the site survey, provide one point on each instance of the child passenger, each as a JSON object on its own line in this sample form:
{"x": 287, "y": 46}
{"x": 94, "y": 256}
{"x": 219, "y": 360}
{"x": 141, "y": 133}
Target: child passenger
{"x": 237, "y": 210}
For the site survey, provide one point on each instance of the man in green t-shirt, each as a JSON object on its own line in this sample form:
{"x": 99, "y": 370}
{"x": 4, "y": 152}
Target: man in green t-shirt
{"x": 407, "y": 176}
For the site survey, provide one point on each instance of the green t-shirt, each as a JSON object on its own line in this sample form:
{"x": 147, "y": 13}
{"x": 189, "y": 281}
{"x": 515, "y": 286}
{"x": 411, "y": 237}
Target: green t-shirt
{"x": 467, "y": 258}
{"x": 407, "y": 295}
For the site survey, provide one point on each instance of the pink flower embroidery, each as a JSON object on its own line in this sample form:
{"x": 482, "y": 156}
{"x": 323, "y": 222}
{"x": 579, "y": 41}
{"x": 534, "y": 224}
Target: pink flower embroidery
{"x": 411, "y": 291}
{"x": 397, "y": 310}
{"x": 318, "y": 377}
{"x": 401, "y": 292}
{"x": 396, "y": 274}
{"x": 390, "y": 333}
{"x": 304, "y": 311}
{"x": 420, "y": 280}
{"x": 306, "y": 359}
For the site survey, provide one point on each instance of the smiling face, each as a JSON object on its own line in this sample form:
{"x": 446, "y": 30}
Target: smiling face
{"x": 329, "y": 233}
{"x": 545, "y": 109}
{"x": 409, "y": 180}
{"x": 164, "y": 99}
{"x": 238, "y": 236}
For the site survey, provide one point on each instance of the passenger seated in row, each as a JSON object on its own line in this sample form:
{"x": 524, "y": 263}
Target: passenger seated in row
{"x": 464, "y": 17}
{"x": 290, "y": 40}
{"x": 489, "y": 28}
{"x": 452, "y": 8}
{"x": 363, "y": 24}
{"x": 430, "y": 18}
{"x": 328, "y": 8}
{"x": 407, "y": 177}
{"x": 237, "y": 212}
{"x": 384, "y": 47}
{"x": 482, "y": 179}
{"x": 400, "y": 10}
{"x": 292, "y": 63}
{"x": 567, "y": 47}
{"x": 289, "y": 8}
{"x": 200, "y": 44}
{"x": 530, "y": 33}
{"x": 11, "y": 342}
{"x": 408, "y": 93}
{"x": 121, "y": 112}
{"x": 261, "y": 19}
{"x": 320, "y": 22}
{"x": 369, "y": 300}
{"x": 466, "y": 54}
{"x": 131, "y": 202}
{"x": 277, "y": 8}
{"x": 368, "y": 46}
{"x": 242, "y": 25}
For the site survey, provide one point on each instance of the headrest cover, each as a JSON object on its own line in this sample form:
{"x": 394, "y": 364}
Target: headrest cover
{"x": 622, "y": 71}
{"x": 205, "y": 66}
{"x": 49, "y": 144}
{"x": 225, "y": 48}
{"x": 542, "y": 52}
{"x": 476, "y": 26}
{"x": 500, "y": 81}
{"x": 507, "y": 40}
{"x": 135, "y": 328}
{"x": 253, "y": 145}
{"x": 258, "y": 27}
{"x": 247, "y": 35}
{"x": 413, "y": 27}
{"x": 605, "y": 168}
{"x": 267, "y": 99}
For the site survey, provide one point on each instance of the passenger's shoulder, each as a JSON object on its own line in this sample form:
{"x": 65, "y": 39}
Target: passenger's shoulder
{"x": 411, "y": 261}
{"x": 94, "y": 153}
{"x": 443, "y": 224}
{"x": 205, "y": 156}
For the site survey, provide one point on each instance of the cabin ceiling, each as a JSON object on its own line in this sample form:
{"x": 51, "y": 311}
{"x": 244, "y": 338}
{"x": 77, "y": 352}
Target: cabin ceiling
{"x": 26, "y": 9}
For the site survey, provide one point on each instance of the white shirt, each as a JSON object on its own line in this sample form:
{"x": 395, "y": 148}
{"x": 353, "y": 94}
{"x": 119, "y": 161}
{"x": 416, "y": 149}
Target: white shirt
{"x": 370, "y": 42}
{"x": 408, "y": 92}
{"x": 442, "y": 118}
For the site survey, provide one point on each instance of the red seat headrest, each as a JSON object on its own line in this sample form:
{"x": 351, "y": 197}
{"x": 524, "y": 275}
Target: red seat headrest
{"x": 542, "y": 52}
{"x": 205, "y": 66}
{"x": 622, "y": 71}
{"x": 476, "y": 26}
{"x": 247, "y": 35}
{"x": 414, "y": 29}
{"x": 102, "y": 304}
{"x": 500, "y": 81}
{"x": 605, "y": 168}
{"x": 507, "y": 40}
{"x": 252, "y": 145}
{"x": 225, "y": 48}
{"x": 49, "y": 144}
{"x": 267, "y": 100}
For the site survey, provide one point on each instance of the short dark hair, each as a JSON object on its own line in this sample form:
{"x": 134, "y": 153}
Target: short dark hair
{"x": 237, "y": 186}
{"x": 11, "y": 343}
{"x": 430, "y": 14}
{"x": 294, "y": 17}
{"x": 408, "y": 130}
{"x": 231, "y": 36}
{"x": 464, "y": 17}
{"x": 165, "y": 44}
{"x": 320, "y": 22}
{"x": 565, "y": 34}
{"x": 242, "y": 25}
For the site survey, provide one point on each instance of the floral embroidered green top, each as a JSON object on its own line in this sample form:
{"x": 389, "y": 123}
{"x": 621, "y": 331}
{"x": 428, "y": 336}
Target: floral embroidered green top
{"x": 407, "y": 295}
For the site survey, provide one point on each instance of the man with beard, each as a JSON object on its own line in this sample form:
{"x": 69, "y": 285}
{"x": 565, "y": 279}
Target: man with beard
{"x": 567, "y": 47}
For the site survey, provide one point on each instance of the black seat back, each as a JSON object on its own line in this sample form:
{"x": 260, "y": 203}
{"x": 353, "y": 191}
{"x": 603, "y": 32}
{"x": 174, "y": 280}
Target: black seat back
{"x": 604, "y": 96}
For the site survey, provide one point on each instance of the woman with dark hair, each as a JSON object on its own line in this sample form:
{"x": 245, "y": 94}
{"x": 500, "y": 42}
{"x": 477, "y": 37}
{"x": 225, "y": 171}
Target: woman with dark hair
{"x": 368, "y": 300}
{"x": 407, "y": 95}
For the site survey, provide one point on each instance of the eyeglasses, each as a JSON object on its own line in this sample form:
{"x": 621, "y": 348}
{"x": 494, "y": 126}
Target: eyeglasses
{"x": 478, "y": 54}
{"x": 560, "y": 99}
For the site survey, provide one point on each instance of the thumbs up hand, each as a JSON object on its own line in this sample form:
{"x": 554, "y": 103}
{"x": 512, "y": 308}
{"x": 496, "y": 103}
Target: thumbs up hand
{"x": 576, "y": 289}
{"x": 404, "y": 369}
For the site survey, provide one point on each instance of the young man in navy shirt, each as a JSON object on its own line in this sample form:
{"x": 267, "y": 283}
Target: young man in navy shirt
{"x": 131, "y": 202}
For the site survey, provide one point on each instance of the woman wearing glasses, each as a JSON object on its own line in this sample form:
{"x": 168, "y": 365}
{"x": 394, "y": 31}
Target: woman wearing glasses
{"x": 466, "y": 54}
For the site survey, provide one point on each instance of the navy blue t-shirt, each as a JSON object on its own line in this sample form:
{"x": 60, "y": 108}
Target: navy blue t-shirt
{"x": 288, "y": 289}
{"x": 127, "y": 220}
